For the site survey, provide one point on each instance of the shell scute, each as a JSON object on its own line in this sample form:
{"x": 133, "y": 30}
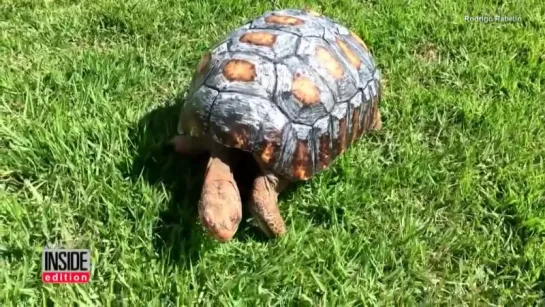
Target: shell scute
{"x": 300, "y": 93}
{"x": 194, "y": 116}
{"x": 330, "y": 66}
{"x": 238, "y": 120}
{"x": 243, "y": 73}
{"x": 297, "y": 157}
{"x": 290, "y": 21}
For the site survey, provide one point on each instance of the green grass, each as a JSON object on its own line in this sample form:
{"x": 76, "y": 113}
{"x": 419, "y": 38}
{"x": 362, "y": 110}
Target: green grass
{"x": 445, "y": 206}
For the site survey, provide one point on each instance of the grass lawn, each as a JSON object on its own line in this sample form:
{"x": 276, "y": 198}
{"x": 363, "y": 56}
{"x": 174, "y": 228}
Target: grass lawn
{"x": 444, "y": 206}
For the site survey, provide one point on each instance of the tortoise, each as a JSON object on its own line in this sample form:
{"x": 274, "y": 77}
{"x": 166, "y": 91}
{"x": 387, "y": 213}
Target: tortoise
{"x": 294, "y": 89}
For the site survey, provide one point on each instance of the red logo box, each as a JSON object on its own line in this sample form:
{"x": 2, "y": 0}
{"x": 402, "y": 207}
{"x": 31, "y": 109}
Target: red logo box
{"x": 66, "y": 266}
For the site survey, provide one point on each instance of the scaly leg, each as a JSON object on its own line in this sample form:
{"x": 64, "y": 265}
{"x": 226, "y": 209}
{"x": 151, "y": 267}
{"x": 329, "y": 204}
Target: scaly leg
{"x": 264, "y": 203}
{"x": 220, "y": 206}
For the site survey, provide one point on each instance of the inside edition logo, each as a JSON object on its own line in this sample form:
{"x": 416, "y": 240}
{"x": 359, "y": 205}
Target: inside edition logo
{"x": 66, "y": 266}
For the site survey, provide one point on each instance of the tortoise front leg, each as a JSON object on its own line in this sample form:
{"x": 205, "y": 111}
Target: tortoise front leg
{"x": 220, "y": 206}
{"x": 264, "y": 203}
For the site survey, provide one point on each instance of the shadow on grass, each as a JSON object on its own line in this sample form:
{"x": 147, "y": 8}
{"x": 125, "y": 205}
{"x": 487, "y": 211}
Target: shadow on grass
{"x": 179, "y": 235}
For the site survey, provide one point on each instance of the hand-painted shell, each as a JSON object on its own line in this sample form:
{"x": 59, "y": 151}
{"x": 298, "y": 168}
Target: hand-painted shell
{"x": 292, "y": 87}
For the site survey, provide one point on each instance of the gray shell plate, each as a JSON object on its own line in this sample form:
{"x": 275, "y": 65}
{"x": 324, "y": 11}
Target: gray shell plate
{"x": 292, "y": 88}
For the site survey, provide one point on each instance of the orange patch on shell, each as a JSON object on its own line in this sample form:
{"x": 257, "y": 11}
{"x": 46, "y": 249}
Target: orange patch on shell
{"x": 359, "y": 40}
{"x": 349, "y": 54}
{"x": 305, "y": 91}
{"x": 284, "y": 20}
{"x": 268, "y": 149}
{"x": 330, "y": 63}
{"x": 239, "y": 70}
{"x": 301, "y": 162}
{"x": 259, "y": 39}
{"x": 237, "y": 137}
{"x": 266, "y": 155}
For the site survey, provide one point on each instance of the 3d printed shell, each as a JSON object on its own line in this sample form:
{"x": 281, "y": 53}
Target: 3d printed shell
{"x": 292, "y": 87}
